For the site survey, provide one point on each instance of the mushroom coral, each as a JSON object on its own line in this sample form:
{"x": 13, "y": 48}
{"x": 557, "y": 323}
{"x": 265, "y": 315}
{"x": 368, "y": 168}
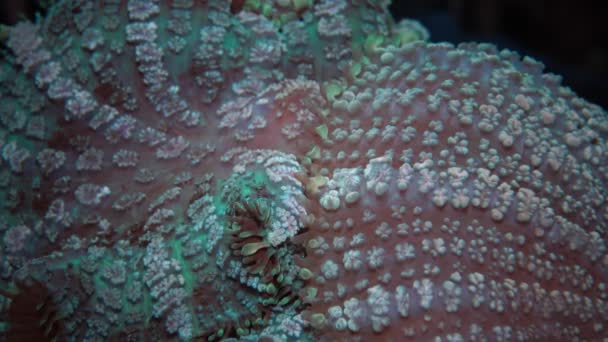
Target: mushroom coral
{"x": 291, "y": 170}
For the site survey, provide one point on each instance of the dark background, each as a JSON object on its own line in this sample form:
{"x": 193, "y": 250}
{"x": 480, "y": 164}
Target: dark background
{"x": 569, "y": 37}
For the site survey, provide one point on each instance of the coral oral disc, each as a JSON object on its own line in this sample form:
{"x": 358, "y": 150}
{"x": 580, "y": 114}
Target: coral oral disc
{"x": 291, "y": 170}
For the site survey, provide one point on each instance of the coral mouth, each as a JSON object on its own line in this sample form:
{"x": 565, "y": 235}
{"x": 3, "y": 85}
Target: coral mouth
{"x": 257, "y": 213}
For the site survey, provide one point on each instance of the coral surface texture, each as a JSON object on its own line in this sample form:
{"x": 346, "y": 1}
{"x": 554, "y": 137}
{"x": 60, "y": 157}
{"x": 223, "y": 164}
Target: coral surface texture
{"x": 291, "y": 170}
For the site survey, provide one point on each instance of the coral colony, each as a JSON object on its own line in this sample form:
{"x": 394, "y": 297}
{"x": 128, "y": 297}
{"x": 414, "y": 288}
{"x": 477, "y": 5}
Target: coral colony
{"x": 291, "y": 170}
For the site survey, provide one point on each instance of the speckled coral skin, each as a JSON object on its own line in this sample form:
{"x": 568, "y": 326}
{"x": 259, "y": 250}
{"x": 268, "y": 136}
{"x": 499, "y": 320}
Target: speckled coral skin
{"x": 293, "y": 171}
{"x": 462, "y": 214}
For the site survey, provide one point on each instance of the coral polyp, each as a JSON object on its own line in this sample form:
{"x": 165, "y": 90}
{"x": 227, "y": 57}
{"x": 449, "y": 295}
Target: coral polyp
{"x": 291, "y": 170}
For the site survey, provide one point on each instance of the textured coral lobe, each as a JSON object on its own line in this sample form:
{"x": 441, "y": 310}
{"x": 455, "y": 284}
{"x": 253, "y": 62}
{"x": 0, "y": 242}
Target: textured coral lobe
{"x": 471, "y": 208}
{"x": 291, "y": 170}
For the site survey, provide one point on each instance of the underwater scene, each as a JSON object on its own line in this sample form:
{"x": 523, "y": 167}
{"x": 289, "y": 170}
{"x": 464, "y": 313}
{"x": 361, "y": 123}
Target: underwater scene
{"x": 291, "y": 170}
